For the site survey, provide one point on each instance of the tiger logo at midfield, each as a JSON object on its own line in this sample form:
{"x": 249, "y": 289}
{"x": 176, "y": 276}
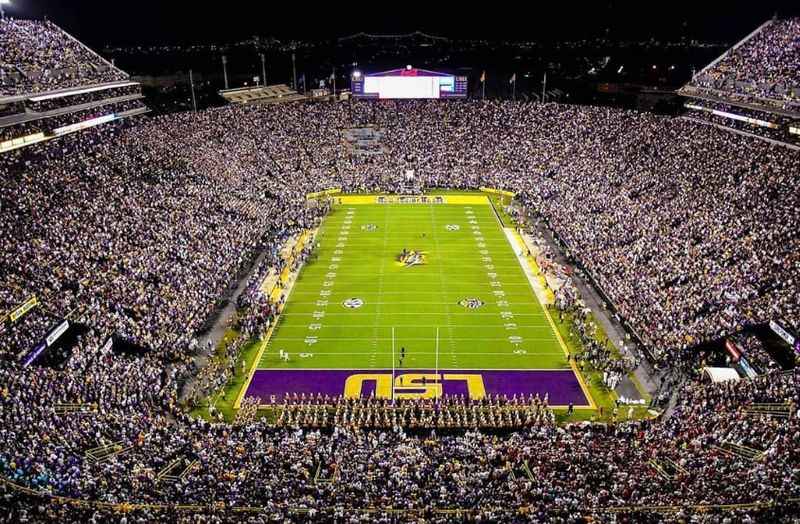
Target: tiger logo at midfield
{"x": 410, "y": 258}
{"x": 471, "y": 303}
{"x": 353, "y": 303}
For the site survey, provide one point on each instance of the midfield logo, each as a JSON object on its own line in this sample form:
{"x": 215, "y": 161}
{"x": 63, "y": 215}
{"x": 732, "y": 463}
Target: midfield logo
{"x": 353, "y": 303}
{"x": 452, "y": 227}
{"x": 471, "y": 303}
{"x": 411, "y": 258}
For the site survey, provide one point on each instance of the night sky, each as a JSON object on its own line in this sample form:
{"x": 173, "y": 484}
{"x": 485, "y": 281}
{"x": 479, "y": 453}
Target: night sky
{"x": 120, "y": 22}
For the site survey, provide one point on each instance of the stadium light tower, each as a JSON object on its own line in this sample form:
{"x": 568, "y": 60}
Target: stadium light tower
{"x": 263, "y": 69}
{"x": 294, "y": 73}
{"x": 2, "y": 11}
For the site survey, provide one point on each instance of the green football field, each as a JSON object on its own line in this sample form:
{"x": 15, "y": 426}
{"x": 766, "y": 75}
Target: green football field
{"x": 467, "y": 305}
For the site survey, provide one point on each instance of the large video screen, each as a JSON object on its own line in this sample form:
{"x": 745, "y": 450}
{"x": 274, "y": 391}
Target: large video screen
{"x": 409, "y": 84}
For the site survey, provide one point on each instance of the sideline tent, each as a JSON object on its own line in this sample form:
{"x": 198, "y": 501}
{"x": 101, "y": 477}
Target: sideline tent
{"x": 721, "y": 374}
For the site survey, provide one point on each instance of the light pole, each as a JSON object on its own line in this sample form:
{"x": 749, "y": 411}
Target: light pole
{"x": 225, "y": 69}
{"x": 263, "y": 70}
{"x": 294, "y": 74}
{"x": 2, "y": 11}
{"x": 191, "y": 84}
{"x": 544, "y": 87}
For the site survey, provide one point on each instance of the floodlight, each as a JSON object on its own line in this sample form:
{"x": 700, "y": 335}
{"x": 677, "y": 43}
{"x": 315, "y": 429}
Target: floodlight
{"x": 3, "y": 13}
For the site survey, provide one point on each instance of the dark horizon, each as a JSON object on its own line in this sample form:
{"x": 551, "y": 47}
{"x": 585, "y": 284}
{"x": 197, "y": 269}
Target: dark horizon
{"x": 150, "y": 22}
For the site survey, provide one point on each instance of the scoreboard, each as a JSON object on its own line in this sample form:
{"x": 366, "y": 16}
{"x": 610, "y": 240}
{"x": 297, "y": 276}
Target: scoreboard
{"x": 408, "y": 83}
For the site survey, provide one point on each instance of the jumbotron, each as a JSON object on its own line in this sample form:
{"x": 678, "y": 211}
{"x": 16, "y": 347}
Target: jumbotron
{"x": 382, "y": 308}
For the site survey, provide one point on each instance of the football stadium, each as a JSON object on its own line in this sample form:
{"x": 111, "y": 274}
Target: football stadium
{"x": 508, "y": 284}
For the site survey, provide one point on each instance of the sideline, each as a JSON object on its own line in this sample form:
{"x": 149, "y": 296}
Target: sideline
{"x": 532, "y": 273}
{"x": 292, "y": 278}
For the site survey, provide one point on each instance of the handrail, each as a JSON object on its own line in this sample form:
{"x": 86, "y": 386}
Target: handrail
{"x": 220, "y": 506}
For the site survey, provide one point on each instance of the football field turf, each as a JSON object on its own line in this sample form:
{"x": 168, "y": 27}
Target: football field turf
{"x": 457, "y": 316}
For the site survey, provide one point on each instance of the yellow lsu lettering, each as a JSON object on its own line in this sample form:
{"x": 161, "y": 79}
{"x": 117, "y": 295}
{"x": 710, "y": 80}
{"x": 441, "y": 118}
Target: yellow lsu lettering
{"x": 412, "y": 385}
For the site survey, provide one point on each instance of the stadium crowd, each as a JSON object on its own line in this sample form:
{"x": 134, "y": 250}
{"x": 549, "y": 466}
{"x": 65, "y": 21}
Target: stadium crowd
{"x": 690, "y": 231}
{"x": 765, "y": 67}
{"x": 38, "y": 56}
{"x": 714, "y": 449}
{"x": 172, "y": 208}
{"x": 137, "y": 232}
{"x": 136, "y": 241}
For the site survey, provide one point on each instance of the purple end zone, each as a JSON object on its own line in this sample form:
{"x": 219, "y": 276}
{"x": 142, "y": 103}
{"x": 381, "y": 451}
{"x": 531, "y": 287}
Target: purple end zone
{"x": 561, "y": 385}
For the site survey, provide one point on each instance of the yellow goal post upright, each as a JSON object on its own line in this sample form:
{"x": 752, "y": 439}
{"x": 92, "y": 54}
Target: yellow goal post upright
{"x": 505, "y": 196}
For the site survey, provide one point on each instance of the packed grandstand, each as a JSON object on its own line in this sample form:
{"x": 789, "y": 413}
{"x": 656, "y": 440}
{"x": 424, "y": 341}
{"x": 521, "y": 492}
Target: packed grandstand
{"x": 132, "y": 230}
{"x": 763, "y": 68}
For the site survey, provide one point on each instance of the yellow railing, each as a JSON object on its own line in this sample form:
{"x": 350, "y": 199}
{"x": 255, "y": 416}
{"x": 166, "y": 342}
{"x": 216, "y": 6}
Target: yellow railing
{"x": 124, "y": 507}
{"x": 328, "y": 192}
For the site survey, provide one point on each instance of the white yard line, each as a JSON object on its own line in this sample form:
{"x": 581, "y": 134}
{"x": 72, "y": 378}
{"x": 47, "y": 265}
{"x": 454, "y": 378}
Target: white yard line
{"x": 319, "y": 351}
{"x": 453, "y": 283}
{"x": 432, "y": 326}
{"x": 443, "y": 290}
{"x": 424, "y": 338}
{"x": 414, "y": 313}
{"x": 449, "y": 251}
{"x": 376, "y": 324}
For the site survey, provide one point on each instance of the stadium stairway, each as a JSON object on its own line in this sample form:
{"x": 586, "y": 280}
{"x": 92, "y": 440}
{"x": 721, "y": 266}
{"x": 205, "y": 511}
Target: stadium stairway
{"x": 105, "y": 452}
{"x": 737, "y": 450}
{"x": 220, "y": 325}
